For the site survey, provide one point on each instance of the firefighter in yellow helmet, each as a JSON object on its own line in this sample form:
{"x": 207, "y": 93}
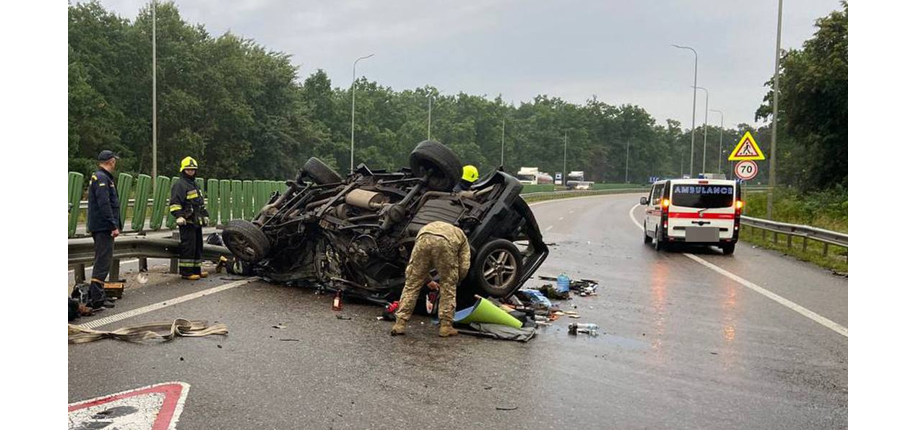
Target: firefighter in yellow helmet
{"x": 188, "y": 208}
{"x": 470, "y": 175}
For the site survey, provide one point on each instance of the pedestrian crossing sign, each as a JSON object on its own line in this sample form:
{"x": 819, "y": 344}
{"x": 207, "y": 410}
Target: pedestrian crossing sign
{"x": 746, "y": 149}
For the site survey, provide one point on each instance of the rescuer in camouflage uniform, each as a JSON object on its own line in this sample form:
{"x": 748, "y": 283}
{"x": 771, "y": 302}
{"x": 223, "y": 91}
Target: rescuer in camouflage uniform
{"x": 440, "y": 246}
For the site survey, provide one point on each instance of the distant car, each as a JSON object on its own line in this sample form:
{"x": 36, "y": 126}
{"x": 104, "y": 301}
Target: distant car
{"x": 356, "y": 233}
{"x": 693, "y": 211}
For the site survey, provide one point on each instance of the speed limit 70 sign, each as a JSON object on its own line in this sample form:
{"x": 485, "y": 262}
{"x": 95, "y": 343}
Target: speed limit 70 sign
{"x": 746, "y": 170}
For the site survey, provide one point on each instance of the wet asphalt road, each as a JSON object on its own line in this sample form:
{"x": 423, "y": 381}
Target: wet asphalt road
{"x": 681, "y": 346}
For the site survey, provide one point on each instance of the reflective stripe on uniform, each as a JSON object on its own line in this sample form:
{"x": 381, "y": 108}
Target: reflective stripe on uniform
{"x": 192, "y": 194}
{"x": 186, "y": 263}
{"x": 173, "y": 208}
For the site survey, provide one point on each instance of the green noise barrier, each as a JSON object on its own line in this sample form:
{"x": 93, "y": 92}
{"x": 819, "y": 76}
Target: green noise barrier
{"x": 247, "y": 205}
{"x": 74, "y": 195}
{"x": 172, "y": 222}
{"x": 124, "y": 183}
{"x": 212, "y": 195}
{"x": 160, "y": 197}
{"x": 225, "y": 202}
{"x": 237, "y": 199}
{"x": 143, "y": 185}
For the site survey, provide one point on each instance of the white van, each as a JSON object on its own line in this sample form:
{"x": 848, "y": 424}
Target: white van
{"x": 694, "y": 211}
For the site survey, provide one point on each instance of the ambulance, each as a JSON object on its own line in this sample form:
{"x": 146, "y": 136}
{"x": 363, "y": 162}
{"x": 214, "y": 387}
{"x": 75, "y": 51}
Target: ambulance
{"x": 693, "y": 211}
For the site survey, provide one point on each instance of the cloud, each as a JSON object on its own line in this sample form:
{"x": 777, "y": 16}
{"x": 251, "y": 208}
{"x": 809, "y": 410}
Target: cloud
{"x": 617, "y": 50}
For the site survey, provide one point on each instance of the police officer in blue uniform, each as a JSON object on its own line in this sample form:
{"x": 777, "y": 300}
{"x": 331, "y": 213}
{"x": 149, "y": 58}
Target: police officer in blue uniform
{"x": 104, "y": 224}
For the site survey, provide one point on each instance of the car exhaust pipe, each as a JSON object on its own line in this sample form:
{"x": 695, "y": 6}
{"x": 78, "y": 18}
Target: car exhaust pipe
{"x": 365, "y": 199}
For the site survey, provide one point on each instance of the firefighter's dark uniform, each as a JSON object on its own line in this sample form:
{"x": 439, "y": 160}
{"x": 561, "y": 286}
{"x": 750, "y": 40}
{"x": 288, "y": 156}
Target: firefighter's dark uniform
{"x": 187, "y": 201}
{"x": 104, "y": 215}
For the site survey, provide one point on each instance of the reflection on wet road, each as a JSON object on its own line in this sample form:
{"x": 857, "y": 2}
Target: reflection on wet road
{"x": 680, "y": 346}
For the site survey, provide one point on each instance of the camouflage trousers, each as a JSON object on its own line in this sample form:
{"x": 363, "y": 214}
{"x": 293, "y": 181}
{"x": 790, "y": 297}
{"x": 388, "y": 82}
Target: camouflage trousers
{"x": 431, "y": 252}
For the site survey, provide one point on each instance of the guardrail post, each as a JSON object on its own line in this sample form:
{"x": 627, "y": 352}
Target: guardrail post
{"x": 143, "y": 264}
{"x": 775, "y": 237}
{"x": 79, "y": 273}
{"x": 824, "y": 249}
{"x": 173, "y": 265}
{"x": 805, "y": 242}
{"x": 764, "y": 235}
{"x": 115, "y": 273}
{"x": 789, "y": 240}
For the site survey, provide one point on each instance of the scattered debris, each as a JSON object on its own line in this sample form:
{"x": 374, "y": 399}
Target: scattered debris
{"x": 583, "y": 328}
{"x": 511, "y": 408}
{"x": 289, "y": 340}
{"x": 341, "y": 317}
{"x": 279, "y": 326}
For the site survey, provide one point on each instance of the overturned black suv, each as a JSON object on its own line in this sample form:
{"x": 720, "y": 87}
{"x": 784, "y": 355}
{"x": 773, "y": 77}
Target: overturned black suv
{"x": 355, "y": 234}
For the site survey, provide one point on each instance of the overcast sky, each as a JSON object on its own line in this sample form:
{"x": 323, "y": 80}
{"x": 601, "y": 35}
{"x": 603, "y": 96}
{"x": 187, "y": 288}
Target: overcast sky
{"x": 617, "y": 50}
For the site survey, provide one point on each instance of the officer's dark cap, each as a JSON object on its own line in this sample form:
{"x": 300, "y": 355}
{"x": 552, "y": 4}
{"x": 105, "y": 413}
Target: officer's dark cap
{"x": 107, "y": 155}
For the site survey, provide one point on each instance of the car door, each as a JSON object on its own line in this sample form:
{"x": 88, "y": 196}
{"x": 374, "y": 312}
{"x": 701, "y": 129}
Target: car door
{"x": 652, "y": 212}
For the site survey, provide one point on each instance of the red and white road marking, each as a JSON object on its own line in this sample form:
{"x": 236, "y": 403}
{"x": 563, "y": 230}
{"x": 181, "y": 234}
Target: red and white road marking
{"x": 155, "y": 407}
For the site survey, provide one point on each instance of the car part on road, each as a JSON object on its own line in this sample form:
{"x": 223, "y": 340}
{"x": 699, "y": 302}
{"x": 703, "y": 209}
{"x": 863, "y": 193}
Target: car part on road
{"x": 245, "y": 240}
{"x": 164, "y": 331}
{"x": 320, "y": 173}
{"x": 495, "y": 269}
{"x": 437, "y": 163}
{"x": 583, "y": 328}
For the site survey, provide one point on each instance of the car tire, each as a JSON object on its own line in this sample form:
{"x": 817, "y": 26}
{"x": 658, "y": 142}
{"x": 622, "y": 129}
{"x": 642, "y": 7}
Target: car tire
{"x": 319, "y": 172}
{"x": 728, "y": 248}
{"x": 437, "y": 162}
{"x": 246, "y": 241}
{"x": 647, "y": 239}
{"x": 496, "y": 269}
{"x": 658, "y": 240}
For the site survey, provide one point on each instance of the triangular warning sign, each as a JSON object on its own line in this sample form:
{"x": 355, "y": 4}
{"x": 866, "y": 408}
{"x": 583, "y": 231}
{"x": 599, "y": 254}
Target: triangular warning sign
{"x": 156, "y": 407}
{"x": 746, "y": 149}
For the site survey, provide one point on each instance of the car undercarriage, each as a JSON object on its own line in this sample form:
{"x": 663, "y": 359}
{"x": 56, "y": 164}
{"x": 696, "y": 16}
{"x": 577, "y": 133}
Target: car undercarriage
{"x": 355, "y": 234}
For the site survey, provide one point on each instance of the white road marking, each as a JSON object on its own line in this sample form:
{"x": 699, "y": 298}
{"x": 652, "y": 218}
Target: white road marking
{"x": 170, "y": 302}
{"x": 837, "y": 328}
{"x": 561, "y": 218}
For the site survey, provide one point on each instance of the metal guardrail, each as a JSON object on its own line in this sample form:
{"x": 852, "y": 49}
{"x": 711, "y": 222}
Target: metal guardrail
{"x": 81, "y": 251}
{"x": 826, "y": 237}
{"x": 585, "y": 192}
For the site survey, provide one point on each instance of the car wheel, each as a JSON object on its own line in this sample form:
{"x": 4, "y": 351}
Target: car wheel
{"x": 246, "y": 241}
{"x": 496, "y": 269}
{"x": 728, "y": 248}
{"x": 438, "y": 163}
{"x": 647, "y": 239}
{"x": 658, "y": 239}
{"x": 321, "y": 173}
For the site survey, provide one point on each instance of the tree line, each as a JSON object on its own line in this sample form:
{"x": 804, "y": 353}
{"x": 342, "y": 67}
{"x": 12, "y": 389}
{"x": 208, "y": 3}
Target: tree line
{"x": 244, "y": 113}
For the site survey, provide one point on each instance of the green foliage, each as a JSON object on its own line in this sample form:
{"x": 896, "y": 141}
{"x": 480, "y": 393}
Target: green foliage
{"x": 812, "y": 108}
{"x": 824, "y": 209}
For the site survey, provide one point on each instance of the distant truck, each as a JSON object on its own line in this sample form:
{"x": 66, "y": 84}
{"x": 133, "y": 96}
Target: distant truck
{"x": 533, "y": 176}
{"x": 576, "y": 181}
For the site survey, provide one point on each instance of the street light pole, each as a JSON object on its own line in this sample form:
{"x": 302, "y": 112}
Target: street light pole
{"x": 774, "y": 123}
{"x": 154, "y": 119}
{"x": 565, "y": 159}
{"x": 429, "y": 137}
{"x": 704, "y": 152}
{"x": 352, "y": 127}
{"x": 694, "y": 95}
{"x": 627, "y": 144}
{"x": 720, "y": 147}
{"x": 503, "y": 142}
